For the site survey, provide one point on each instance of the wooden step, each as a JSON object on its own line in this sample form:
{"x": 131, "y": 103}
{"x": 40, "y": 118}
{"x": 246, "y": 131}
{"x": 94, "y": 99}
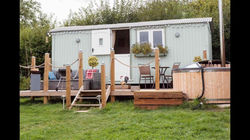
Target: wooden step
{"x": 122, "y": 92}
{"x": 86, "y": 105}
{"x": 122, "y": 86}
{"x": 152, "y": 99}
{"x": 87, "y": 98}
{"x": 91, "y": 91}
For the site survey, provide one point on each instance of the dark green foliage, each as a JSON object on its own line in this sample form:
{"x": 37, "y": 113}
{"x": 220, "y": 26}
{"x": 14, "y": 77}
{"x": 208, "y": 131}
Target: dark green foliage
{"x": 34, "y": 26}
{"x": 24, "y": 83}
{"x": 125, "y": 11}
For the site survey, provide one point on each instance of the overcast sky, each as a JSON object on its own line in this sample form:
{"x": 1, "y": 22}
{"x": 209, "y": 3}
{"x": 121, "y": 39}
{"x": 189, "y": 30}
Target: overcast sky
{"x": 61, "y": 8}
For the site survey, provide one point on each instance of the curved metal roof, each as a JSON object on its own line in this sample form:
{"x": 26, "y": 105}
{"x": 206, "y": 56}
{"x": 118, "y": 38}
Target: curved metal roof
{"x": 130, "y": 25}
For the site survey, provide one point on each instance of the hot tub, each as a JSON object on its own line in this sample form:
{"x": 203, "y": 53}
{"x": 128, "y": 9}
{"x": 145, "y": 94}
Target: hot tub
{"x": 216, "y": 82}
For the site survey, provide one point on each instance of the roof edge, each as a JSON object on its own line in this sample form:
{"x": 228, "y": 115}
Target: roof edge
{"x": 131, "y": 24}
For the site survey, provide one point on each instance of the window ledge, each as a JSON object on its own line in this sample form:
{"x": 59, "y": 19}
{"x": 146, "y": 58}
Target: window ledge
{"x": 149, "y": 55}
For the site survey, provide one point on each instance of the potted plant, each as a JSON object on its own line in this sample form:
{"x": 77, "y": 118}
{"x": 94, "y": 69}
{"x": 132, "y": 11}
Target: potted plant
{"x": 163, "y": 50}
{"x": 93, "y": 61}
{"x": 145, "y": 49}
{"x": 197, "y": 59}
{"x": 95, "y": 82}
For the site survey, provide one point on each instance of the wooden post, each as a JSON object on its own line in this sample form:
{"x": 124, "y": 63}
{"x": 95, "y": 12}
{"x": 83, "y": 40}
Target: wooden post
{"x": 50, "y": 69}
{"x": 103, "y": 85}
{"x": 204, "y": 54}
{"x": 80, "y": 71}
{"x": 68, "y": 87}
{"x": 33, "y": 63}
{"x": 46, "y": 77}
{"x": 50, "y": 66}
{"x": 157, "y": 74}
{"x": 112, "y": 73}
{"x": 33, "y": 67}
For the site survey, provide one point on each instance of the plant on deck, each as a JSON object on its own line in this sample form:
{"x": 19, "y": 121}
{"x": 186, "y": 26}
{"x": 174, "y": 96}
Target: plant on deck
{"x": 197, "y": 59}
{"x": 93, "y": 61}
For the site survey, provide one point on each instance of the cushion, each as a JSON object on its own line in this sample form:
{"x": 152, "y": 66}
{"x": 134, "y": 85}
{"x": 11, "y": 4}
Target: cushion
{"x": 52, "y": 76}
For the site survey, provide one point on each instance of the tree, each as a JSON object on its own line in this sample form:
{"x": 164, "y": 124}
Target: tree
{"x": 209, "y": 8}
{"x": 34, "y": 26}
{"x": 124, "y": 11}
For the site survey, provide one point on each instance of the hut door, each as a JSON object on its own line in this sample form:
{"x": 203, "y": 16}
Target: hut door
{"x": 120, "y": 42}
{"x": 122, "y": 69}
{"x": 100, "y": 42}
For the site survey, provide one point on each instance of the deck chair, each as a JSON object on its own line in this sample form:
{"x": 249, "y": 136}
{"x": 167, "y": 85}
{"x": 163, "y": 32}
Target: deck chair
{"x": 170, "y": 77}
{"x": 145, "y": 74}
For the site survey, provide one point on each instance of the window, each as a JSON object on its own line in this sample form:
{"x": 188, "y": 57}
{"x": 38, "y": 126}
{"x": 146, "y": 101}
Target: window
{"x": 100, "y": 41}
{"x": 144, "y": 37}
{"x": 153, "y": 36}
{"x": 157, "y": 38}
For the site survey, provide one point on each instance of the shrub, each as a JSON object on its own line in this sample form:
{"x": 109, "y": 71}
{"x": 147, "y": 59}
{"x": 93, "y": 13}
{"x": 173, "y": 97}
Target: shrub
{"x": 93, "y": 61}
{"x": 136, "y": 49}
{"x": 24, "y": 83}
{"x": 163, "y": 49}
{"x": 146, "y": 48}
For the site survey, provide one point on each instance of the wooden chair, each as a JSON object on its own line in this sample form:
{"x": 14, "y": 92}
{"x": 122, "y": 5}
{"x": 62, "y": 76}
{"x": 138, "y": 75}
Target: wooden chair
{"x": 167, "y": 77}
{"x": 146, "y": 74}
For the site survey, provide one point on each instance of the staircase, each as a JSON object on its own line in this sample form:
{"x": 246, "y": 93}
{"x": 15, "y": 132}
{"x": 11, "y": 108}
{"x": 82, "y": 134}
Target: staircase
{"x": 89, "y": 95}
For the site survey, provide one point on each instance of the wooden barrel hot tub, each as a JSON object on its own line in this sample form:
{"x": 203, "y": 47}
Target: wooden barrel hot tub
{"x": 216, "y": 82}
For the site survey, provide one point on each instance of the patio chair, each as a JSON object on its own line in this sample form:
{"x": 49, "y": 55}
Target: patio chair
{"x": 170, "y": 77}
{"x": 146, "y": 74}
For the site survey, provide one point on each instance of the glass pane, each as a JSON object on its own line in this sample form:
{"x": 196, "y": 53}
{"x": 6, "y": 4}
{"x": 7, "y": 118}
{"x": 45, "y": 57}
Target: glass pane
{"x": 143, "y": 37}
{"x": 157, "y": 38}
{"x": 100, "y": 41}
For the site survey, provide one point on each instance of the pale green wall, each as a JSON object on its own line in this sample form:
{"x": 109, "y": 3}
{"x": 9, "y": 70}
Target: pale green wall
{"x": 65, "y": 50}
{"x": 194, "y": 38}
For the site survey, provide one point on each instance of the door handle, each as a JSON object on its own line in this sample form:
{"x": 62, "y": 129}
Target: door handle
{"x": 93, "y": 49}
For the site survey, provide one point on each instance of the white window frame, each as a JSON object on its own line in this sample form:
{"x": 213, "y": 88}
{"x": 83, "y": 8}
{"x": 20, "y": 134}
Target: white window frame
{"x": 150, "y": 36}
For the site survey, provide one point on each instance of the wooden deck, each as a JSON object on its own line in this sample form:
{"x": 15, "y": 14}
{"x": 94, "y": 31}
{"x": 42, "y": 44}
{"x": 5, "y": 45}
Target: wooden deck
{"x": 27, "y": 93}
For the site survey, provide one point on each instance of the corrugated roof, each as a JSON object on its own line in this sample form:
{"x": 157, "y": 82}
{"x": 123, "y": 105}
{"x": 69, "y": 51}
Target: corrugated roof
{"x": 130, "y": 25}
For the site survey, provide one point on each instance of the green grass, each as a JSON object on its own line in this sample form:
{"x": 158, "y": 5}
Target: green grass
{"x": 120, "y": 120}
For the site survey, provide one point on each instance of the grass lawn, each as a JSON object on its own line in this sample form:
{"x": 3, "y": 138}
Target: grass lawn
{"x": 120, "y": 120}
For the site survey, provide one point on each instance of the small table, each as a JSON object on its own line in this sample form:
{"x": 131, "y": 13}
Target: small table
{"x": 162, "y": 70}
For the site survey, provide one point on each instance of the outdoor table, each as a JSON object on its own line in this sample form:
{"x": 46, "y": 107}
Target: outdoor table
{"x": 162, "y": 70}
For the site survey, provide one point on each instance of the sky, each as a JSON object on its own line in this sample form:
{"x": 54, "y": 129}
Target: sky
{"x": 60, "y": 9}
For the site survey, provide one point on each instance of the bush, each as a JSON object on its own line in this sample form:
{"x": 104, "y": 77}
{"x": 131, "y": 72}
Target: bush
{"x": 24, "y": 83}
{"x": 146, "y": 48}
{"x": 136, "y": 49}
{"x": 163, "y": 49}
